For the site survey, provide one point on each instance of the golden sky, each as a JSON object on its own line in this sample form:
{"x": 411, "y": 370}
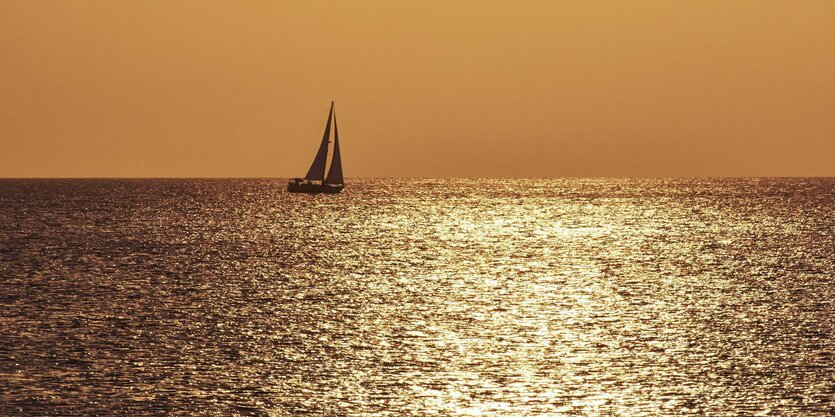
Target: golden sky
{"x": 423, "y": 88}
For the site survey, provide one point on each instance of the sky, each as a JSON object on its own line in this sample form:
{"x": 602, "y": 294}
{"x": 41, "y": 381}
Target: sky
{"x": 422, "y": 89}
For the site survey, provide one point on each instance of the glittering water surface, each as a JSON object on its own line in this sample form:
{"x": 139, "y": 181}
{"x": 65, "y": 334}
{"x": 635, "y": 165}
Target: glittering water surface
{"x": 418, "y": 297}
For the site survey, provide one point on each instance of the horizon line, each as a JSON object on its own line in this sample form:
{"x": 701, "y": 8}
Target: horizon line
{"x": 430, "y": 177}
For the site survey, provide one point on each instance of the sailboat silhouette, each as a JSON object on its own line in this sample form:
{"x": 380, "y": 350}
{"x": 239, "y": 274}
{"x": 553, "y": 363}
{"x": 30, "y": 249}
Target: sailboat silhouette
{"x": 315, "y": 180}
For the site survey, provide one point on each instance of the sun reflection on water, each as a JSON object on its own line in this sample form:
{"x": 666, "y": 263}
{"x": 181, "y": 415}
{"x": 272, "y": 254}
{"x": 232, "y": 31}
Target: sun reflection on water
{"x": 419, "y": 297}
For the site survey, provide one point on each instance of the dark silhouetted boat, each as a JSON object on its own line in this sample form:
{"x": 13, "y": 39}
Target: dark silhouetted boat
{"x": 315, "y": 181}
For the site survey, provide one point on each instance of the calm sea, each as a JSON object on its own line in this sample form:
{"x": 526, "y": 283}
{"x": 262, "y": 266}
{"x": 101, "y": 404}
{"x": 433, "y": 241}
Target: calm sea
{"x": 577, "y": 297}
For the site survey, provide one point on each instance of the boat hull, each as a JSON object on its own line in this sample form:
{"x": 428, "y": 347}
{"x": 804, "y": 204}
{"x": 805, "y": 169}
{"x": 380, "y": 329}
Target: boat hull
{"x": 314, "y": 188}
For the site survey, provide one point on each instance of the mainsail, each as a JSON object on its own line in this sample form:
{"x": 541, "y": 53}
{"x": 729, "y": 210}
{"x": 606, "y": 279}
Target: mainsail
{"x": 317, "y": 168}
{"x": 335, "y": 172}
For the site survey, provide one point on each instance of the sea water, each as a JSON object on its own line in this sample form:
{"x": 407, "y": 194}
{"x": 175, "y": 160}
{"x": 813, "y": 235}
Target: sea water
{"x": 418, "y": 297}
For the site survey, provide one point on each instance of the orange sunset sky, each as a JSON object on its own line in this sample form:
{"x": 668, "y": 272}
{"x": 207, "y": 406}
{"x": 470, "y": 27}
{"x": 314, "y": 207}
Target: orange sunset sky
{"x": 423, "y": 88}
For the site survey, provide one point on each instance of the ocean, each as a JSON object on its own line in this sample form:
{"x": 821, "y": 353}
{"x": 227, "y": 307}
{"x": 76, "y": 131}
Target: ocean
{"x": 418, "y": 297}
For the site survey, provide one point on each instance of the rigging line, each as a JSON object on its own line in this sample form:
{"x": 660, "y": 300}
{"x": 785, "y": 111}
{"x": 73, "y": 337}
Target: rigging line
{"x": 331, "y": 144}
{"x": 301, "y": 164}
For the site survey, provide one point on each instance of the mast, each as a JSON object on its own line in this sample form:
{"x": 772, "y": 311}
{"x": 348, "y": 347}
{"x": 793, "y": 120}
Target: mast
{"x": 317, "y": 168}
{"x": 335, "y": 172}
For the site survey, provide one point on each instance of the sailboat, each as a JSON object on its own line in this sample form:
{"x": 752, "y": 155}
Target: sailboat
{"x": 315, "y": 181}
